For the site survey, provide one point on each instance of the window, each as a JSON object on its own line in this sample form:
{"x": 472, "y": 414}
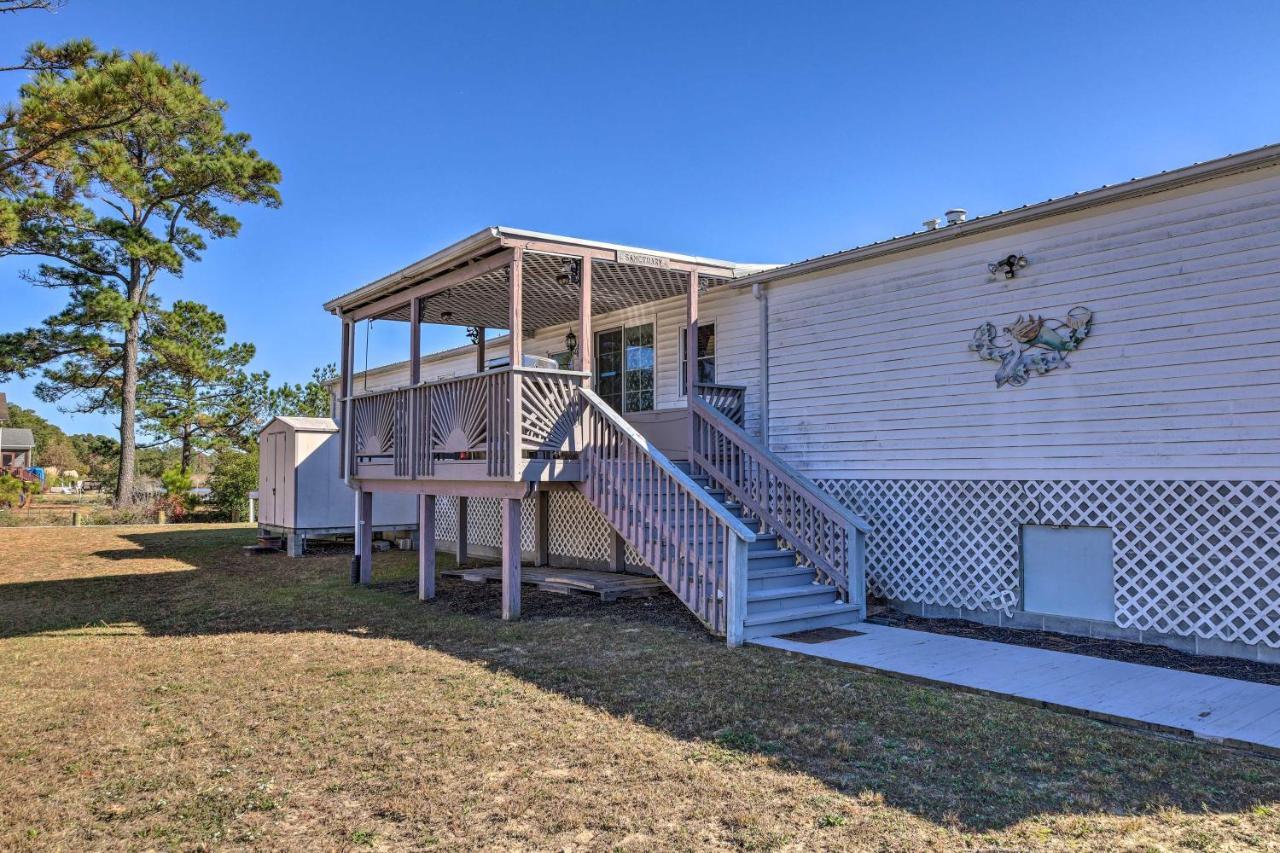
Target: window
{"x": 624, "y": 367}
{"x": 706, "y": 355}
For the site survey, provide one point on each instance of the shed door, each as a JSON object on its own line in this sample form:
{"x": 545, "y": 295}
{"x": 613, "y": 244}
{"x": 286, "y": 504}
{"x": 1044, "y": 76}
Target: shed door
{"x": 272, "y": 464}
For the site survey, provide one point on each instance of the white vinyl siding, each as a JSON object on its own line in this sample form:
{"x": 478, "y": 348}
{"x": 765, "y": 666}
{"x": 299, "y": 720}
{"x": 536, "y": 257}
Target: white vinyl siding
{"x": 871, "y": 375}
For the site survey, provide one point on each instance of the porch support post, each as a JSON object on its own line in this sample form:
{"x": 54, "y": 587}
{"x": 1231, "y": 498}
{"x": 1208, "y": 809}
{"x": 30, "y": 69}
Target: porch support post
{"x": 517, "y": 361}
{"x": 691, "y": 355}
{"x": 542, "y": 529}
{"x": 426, "y": 547}
{"x": 586, "y": 343}
{"x": 480, "y": 342}
{"x": 510, "y": 558}
{"x": 460, "y": 553}
{"x": 758, "y": 289}
{"x": 364, "y": 535}
{"x": 344, "y": 404}
{"x": 618, "y": 553}
{"x": 415, "y": 376}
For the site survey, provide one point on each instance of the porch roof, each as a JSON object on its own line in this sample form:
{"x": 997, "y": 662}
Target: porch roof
{"x": 622, "y": 276}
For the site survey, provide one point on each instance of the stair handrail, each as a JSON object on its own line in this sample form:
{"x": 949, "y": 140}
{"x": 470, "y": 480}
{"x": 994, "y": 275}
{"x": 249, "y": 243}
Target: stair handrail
{"x": 700, "y": 548}
{"x": 814, "y": 495}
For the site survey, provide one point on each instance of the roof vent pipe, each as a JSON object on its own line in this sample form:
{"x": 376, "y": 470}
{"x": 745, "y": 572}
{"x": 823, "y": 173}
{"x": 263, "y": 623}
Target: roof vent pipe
{"x": 956, "y": 215}
{"x": 932, "y": 224}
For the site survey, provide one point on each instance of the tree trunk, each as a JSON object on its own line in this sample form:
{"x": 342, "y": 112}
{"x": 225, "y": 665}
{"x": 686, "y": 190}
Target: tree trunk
{"x": 128, "y": 412}
{"x": 185, "y": 459}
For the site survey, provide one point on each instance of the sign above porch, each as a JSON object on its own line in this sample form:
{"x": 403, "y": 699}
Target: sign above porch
{"x": 640, "y": 259}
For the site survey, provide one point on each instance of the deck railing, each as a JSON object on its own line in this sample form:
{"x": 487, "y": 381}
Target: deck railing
{"x": 690, "y": 541}
{"x": 825, "y": 534}
{"x": 483, "y": 426}
{"x": 728, "y": 400}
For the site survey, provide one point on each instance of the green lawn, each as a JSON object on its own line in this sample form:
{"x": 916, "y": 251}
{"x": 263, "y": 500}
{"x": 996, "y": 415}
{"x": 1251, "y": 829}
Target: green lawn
{"x": 159, "y": 688}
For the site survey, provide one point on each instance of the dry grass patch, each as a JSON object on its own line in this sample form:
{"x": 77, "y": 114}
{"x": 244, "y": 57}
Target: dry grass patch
{"x": 159, "y": 689}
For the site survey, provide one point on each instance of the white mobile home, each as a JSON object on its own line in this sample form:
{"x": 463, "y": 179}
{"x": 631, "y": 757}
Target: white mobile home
{"x": 1064, "y": 416}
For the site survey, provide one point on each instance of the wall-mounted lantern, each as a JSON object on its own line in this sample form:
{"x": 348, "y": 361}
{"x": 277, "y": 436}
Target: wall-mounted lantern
{"x": 1008, "y": 267}
{"x": 571, "y": 343}
{"x": 569, "y": 274}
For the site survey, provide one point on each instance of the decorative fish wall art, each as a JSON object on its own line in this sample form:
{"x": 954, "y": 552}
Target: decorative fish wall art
{"x": 1031, "y": 345}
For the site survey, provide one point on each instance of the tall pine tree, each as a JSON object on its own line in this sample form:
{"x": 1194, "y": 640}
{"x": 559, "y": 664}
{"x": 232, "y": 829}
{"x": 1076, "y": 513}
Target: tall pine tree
{"x": 118, "y": 209}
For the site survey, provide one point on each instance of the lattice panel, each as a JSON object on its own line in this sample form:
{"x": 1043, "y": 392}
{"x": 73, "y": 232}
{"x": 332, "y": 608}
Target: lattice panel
{"x": 577, "y": 530}
{"x": 1192, "y": 558}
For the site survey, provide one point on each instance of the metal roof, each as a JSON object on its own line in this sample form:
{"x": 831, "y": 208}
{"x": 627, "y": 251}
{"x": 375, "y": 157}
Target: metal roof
{"x": 1257, "y": 158}
{"x": 16, "y": 439}
{"x": 303, "y": 424}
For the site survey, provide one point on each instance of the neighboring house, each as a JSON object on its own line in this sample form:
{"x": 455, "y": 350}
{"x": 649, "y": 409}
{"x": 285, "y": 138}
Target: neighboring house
{"x": 17, "y": 448}
{"x": 1065, "y": 415}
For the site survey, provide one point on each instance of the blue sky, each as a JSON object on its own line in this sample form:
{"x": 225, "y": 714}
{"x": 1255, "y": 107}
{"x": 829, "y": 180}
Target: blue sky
{"x": 763, "y": 132}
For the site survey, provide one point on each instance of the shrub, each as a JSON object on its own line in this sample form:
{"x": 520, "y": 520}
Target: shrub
{"x": 11, "y": 491}
{"x": 234, "y": 475}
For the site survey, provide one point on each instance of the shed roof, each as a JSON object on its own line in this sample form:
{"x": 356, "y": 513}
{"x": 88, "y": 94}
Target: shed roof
{"x": 16, "y": 439}
{"x": 303, "y": 424}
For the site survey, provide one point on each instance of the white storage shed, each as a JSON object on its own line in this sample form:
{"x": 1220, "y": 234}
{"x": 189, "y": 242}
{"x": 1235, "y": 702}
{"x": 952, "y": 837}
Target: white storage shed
{"x": 300, "y": 490}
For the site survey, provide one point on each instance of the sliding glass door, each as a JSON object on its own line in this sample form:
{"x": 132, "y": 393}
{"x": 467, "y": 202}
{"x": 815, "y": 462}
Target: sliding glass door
{"x": 624, "y": 367}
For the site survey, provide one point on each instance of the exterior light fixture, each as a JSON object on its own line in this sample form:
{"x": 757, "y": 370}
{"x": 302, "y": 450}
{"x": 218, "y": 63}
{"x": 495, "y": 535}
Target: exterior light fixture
{"x": 571, "y": 342}
{"x": 1008, "y": 267}
{"x": 569, "y": 274}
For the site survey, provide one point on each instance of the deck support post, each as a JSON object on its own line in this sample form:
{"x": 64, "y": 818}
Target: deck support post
{"x": 460, "y": 553}
{"x": 542, "y": 529}
{"x": 691, "y": 356}
{"x": 344, "y": 402}
{"x": 618, "y": 553}
{"x": 364, "y": 535}
{"x": 415, "y": 376}
{"x": 516, "y": 338}
{"x": 480, "y": 347}
{"x": 510, "y": 558}
{"x": 295, "y": 545}
{"x": 586, "y": 343}
{"x": 426, "y": 547}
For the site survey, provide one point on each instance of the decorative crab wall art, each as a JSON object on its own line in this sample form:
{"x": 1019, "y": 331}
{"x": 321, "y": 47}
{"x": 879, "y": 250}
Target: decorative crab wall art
{"x": 1031, "y": 344}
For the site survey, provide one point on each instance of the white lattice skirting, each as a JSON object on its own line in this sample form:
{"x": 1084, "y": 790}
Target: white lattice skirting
{"x": 1192, "y": 558}
{"x": 578, "y": 532}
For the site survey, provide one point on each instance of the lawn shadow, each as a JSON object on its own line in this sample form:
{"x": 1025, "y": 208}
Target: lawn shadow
{"x": 949, "y": 757}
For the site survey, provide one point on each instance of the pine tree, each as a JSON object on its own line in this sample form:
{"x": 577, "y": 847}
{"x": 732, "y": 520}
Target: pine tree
{"x": 194, "y": 390}
{"x": 118, "y": 209}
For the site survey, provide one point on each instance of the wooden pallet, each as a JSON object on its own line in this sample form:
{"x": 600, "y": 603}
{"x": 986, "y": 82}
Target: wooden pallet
{"x": 610, "y": 586}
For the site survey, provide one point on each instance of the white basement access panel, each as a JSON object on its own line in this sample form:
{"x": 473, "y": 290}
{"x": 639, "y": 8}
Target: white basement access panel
{"x": 1068, "y": 571}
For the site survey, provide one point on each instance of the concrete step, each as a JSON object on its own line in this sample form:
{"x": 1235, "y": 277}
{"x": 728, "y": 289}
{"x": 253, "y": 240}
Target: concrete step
{"x": 776, "y": 622}
{"x": 789, "y": 598}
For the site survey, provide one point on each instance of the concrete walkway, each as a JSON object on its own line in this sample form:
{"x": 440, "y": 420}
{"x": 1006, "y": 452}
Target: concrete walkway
{"x": 1238, "y": 713}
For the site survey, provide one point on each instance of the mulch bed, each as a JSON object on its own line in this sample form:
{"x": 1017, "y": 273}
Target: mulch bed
{"x": 1243, "y": 670}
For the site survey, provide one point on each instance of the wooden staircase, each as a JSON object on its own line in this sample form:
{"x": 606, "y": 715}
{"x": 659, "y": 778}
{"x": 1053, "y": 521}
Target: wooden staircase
{"x": 783, "y": 595}
{"x": 751, "y": 547}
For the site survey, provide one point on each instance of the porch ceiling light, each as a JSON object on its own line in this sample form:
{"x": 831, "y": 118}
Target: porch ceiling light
{"x": 446, "y": 316}
{"x": 1008, "y": 267}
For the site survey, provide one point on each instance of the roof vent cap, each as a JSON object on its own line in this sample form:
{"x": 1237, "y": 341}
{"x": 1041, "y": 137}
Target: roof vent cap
{"x": 956, "y": 215}
{"x": 932, "y": 224}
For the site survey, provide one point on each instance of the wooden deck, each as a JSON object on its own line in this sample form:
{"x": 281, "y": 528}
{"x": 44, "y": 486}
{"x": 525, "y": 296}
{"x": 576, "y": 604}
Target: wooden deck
{"x": 609, "y": 586}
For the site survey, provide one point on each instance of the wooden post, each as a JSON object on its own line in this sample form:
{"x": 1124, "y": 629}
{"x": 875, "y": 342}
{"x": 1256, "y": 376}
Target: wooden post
{"x": 510, "y": 558}
{"x": 344, "y": 390}
{"x": 517, "y": 361}
{"x": 691, "y": 355}
{"x": 460, "y": 553}
{"x": 364, "y": 535}
{"x": 736, "y": 599}
{"x": 618, "y": 553}
{"x": 542, "y": 529}
{"x": 586, "y": 343}
{"x": 480, "y": 348}
{"x": 415, "y": 376}
{"x": 426, "y": 547}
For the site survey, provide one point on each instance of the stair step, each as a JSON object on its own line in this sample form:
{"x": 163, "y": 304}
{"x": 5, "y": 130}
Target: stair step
{"x": 780, "y": 578}
{"x": 775, "y": 622}
{"x": 789, "y": 598}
